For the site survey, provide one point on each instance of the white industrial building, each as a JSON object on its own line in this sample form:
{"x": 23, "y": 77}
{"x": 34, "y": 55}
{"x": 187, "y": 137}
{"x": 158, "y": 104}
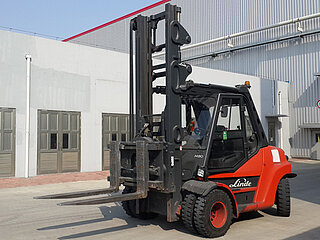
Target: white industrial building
{"x": 76, "y": 101}
{"x": 275, "y": 40}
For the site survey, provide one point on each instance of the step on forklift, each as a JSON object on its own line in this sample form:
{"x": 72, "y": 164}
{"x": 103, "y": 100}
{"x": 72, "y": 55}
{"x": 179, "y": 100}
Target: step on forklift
{"x": 205, "y": 159}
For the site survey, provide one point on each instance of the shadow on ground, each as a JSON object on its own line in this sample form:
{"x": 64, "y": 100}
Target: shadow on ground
{"x": 109, "y": 213}
{"x": 271, "y": 211}
{"x": 248, "y": 216}
{"x": 311, "y": 234}
{"x": 305, "y": 185}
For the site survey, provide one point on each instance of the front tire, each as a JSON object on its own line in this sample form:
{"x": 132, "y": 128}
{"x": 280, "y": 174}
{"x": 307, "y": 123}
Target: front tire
{"x": 187, "y": 211}
{"x": 283, "y": 198}
{"x": 213, "y": 214}
{"x": 130, "y": 206}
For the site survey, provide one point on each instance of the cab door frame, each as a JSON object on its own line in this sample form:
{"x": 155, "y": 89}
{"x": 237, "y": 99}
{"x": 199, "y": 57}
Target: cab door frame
{"x": 213, "y": 135}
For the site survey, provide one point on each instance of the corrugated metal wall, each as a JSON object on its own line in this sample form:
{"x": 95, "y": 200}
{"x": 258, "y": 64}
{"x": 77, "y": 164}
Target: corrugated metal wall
{"x": 114, "y": 36}
{"x": 294, "y": 61}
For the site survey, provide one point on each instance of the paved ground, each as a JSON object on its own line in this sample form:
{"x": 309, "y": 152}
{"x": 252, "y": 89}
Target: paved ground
{"x": 22, "y": 217}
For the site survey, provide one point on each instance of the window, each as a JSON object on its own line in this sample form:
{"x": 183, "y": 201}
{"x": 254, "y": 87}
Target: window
{"x": 53, "y": 141}
{"x": 6, "y": 130}
{"x": 197, "y": 115}
{"x": 228, "y": 146}
{"x": 114, "y": 137}
{"x": 65, "y": 141}
{"x": 7, "y": 141}
{"x": 7, "y": 123}
{"x": 74, "y": 140}
{"x": 53, "y": 122}
{"x": 123, "y": 137}
{"x": 123, "y": 123}
{"x": 229, "y": 115}
{"x": 65, "y": 122}
{"x": 317, "y": 137}
{"x": 114, "y": 123}
{"x": 74, "y": 122}
{"x": 251, "y": 136}
{"x": 43, "y": 141}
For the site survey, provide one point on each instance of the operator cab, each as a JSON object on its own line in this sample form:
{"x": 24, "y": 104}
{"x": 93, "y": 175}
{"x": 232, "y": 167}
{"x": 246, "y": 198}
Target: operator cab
{"x": 220, "y": 130}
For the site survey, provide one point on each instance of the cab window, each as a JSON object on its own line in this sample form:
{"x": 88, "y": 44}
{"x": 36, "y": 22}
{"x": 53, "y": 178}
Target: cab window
{"x": 197, "y": 115}
{"x": 228, "y": 143}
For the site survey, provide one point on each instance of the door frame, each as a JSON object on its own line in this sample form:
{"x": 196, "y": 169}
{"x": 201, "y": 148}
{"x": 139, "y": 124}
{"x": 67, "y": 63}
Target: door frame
{"x": 13, "y": 140}
{"x": 313, "y": 142}
{"x": 313, "y": 135}
{"x": 118, "y": 132}
{"x": 60, "y": 132}
{"x": 213, "y": 131}
{"x": 272, "y": 122}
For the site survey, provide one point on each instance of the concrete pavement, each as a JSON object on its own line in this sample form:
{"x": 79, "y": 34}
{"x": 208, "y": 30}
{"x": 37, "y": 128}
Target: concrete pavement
{"x": 22, "y": 217}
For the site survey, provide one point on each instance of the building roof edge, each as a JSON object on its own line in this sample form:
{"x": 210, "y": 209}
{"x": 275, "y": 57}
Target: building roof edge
{"x": 117, "y": 20}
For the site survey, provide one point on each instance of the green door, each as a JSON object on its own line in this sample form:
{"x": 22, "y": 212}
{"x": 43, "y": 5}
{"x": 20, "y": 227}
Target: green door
{"x": 115, "y": 127}
{"x": 58, "y": 141}
{"x": 7, "y": 142}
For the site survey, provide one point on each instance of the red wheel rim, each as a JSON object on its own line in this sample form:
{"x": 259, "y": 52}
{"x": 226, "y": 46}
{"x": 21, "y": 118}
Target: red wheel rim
{"x": 218, "y": 214}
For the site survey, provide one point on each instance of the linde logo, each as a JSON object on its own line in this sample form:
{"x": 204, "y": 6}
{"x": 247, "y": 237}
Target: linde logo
{"x": 240, "y": 182}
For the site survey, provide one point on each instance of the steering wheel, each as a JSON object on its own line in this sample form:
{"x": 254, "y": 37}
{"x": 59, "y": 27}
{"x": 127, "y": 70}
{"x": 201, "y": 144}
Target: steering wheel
{"x": 199, "y": 131}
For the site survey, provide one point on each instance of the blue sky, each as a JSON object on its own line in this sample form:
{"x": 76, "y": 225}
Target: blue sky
{"x": 64, "y": 18}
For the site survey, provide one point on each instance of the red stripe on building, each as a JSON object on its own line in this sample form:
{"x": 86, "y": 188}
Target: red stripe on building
{"x": 117, "y": 20}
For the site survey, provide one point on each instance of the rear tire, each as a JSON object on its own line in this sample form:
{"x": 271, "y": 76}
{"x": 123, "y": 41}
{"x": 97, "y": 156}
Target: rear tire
{"x": 283, "y": 198}
{"x": 187, "y": 211}
{"x": 130, "y": 206}
{"x": 126, "y": 204}
{"x": 213, "y": 214}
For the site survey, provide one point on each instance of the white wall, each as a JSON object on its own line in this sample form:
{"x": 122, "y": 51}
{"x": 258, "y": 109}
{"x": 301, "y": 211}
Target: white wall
{"x": 71, "y": 77}
{"x": 66, "y": 77}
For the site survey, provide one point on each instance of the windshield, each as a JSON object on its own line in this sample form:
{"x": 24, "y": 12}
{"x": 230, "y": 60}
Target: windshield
{"x": 197, "y": 114}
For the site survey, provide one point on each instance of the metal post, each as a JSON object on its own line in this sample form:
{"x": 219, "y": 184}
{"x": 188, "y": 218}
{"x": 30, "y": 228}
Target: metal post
{"x": 142, "y": 165}
{"x": 280, "y": 120}
{"x": 143, "y": 71}
{"x": 131, "y": 103}
{"x": 27, "y": 133}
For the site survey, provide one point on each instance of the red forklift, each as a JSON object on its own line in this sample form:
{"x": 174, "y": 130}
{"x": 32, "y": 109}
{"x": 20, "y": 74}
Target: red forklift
{"x": 205, "y": 159}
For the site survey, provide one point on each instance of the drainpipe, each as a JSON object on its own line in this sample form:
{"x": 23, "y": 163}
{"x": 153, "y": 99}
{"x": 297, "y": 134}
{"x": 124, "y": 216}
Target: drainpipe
{"x": 279, "y": 102}
{"x": 280, "y": 119}
{"x": 28, "y": 59}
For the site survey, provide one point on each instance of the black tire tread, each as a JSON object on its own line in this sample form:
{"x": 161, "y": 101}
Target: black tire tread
{"x": 126, "y": 204}
{"x": 187, "y": 211}
{"x": 199, "y": 214}
{"x": 283, "y": 198}
{"x": 130, "y": 207}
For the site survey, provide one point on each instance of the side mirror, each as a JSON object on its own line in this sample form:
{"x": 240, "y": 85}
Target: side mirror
{"x": 177, "y": 134}
{"x": 224, "y": 111}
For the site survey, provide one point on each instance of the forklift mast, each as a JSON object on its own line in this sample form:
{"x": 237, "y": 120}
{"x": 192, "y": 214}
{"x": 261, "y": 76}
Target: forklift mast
{"x": 145, "y": 30}
{"x": 167, "y": 166}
